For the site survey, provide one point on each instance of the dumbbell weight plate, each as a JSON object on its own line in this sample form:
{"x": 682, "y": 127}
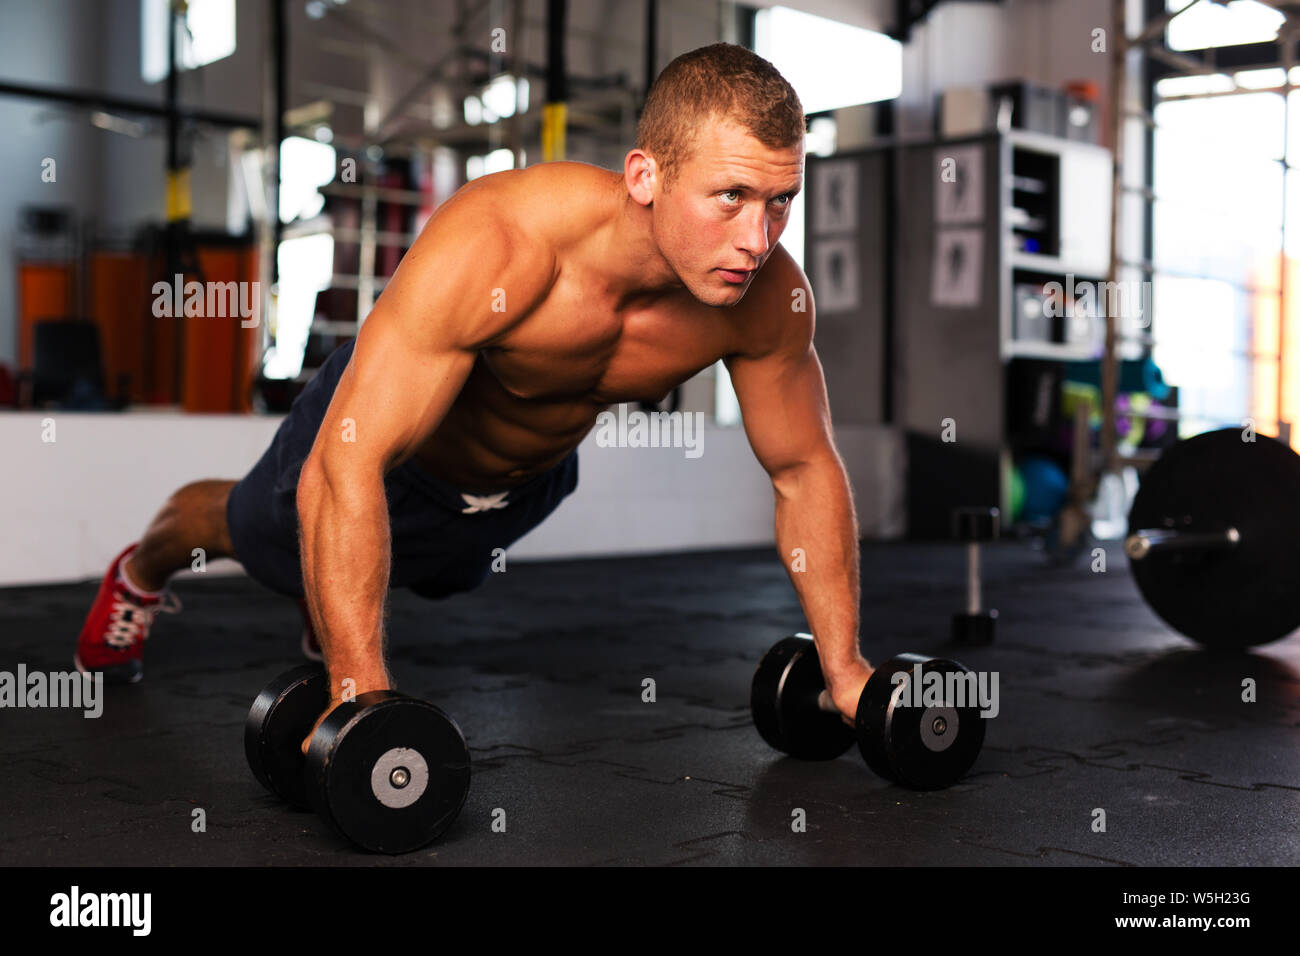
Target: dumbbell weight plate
{"x": 390, "y": 772}
{"x": 281, "y": 717}
{"x": 1224, "y": 598}
{"x": 783, "y": 701}
{"x": 924, "y": 748}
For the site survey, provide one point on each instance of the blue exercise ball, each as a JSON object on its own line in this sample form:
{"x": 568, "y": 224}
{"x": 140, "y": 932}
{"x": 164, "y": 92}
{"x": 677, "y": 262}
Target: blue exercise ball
{"x": 1046, "y": 484}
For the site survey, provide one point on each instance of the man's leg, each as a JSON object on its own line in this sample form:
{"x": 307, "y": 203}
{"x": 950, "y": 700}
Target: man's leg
{"x": 193, "y": 517}
{"x": 132, "y": 591}
{"x": 253, "y": 520}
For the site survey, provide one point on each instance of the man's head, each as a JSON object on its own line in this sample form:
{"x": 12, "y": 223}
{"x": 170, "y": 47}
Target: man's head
{"x": 719, "y": 154}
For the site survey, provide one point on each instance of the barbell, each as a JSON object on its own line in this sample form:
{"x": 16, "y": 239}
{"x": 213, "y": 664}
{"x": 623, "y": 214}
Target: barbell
{"x": 1214, "y": 538}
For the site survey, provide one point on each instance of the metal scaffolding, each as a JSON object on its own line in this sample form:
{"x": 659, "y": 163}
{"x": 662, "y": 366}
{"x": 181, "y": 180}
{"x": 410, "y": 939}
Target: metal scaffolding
{"x": 599, "y": 107}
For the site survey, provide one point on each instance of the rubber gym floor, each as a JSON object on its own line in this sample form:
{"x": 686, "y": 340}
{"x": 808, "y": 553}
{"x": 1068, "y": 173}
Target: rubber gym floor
{"x": 1101, "y": 707}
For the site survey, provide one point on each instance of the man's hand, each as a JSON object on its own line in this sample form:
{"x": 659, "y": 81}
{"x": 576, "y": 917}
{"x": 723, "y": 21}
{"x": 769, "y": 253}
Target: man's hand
{"x": 312, "y": 733}
{"x": 337, "y": 698}
{"x": 844, "y": 688}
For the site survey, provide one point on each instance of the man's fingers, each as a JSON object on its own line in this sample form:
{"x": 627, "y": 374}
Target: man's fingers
{"x": 824, "y": 702}
{"x": 316, "y": 726}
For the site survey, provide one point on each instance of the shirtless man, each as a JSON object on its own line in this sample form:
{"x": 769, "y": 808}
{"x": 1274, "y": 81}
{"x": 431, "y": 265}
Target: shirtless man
{"x": 532, "y": 301}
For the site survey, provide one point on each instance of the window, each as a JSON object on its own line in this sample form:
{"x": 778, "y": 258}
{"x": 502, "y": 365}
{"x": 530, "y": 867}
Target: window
{"x": 496, "y": 161}
{"x": 306, "y": 263}
{"x": 829, "y": 64}
{"x": 207, "y": 35}
{"x": 1209, "y": 25}
{"x": 1220, "y": 174}
{"x": 305, "y": 166}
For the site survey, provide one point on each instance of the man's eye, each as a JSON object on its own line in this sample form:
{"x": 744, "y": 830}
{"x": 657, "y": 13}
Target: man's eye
{"x": 787, "y": 197}
{"x": 732, "y": 192}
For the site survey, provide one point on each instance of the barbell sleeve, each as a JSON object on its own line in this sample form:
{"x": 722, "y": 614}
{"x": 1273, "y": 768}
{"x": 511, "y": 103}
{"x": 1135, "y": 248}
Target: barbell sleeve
{"x": 1156, "y": 540}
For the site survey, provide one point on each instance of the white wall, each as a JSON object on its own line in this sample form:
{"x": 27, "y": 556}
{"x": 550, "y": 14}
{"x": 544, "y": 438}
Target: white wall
{"x": 70, "y": 505}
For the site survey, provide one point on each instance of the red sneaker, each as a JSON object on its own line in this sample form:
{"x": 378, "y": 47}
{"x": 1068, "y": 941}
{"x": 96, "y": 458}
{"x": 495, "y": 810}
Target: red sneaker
{"x": 112, "y": 639}
{"x": 310, "y": 646}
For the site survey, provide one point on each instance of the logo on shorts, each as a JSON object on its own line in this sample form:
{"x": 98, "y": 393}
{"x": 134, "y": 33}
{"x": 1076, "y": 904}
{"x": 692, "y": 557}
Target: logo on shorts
{"x": 477, "y": 503}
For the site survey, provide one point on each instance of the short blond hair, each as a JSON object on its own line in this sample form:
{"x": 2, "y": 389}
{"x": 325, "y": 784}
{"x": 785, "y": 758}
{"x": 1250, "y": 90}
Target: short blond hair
{"x": 720, "y": 81}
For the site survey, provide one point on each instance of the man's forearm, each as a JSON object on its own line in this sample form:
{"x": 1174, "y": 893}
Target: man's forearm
{"x": 817, "y": 538}
{"x": 345, "y": 565}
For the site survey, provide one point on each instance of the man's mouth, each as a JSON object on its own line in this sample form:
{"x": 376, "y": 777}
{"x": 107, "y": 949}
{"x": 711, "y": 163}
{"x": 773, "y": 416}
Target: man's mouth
{"x": 736, "y": 275}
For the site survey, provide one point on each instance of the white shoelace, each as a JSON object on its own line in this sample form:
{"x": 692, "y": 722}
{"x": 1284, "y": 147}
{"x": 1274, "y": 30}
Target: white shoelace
{"x": 128, "y": 622}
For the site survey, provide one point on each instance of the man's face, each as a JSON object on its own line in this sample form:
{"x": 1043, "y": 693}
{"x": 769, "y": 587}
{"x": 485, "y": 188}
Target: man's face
{"x": 725, "y": 211}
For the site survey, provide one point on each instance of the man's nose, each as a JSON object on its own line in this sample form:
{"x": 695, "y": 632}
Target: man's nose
{"x": 753, "y": 234}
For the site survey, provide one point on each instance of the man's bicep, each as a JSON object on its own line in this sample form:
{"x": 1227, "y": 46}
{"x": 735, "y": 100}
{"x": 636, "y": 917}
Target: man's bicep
{"x": 389, "y": 399}
{"x": 784, "y": 408}
{"x": 466, "y": 282}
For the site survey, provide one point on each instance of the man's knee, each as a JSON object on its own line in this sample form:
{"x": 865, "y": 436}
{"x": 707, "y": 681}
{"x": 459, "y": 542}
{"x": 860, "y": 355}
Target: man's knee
{"x": 202, "y": 506}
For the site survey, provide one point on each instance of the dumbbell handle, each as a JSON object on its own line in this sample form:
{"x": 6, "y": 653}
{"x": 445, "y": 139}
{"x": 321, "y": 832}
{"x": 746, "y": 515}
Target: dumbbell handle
{"x": 973, "y": 596}
{"x": 1154, "y": 540}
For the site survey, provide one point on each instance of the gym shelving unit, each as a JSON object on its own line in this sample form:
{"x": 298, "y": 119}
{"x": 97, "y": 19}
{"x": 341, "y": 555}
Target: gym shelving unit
{"x": 1041, "y": 217}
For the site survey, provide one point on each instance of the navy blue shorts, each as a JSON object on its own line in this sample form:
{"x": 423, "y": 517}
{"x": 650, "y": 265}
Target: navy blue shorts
{"x": 442, "y": 539}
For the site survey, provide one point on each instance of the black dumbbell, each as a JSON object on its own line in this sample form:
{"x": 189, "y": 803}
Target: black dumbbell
{"x": 924, "y": 748}
{"x": 388, "y": 771}
{"x": 976, "y": 624}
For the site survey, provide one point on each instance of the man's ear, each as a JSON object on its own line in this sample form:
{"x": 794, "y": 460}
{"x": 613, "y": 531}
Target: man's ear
{"x": 640, "y": 172}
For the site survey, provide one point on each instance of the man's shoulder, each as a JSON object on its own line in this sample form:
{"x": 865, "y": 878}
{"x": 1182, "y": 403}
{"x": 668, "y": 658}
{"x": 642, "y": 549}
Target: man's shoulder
{"x": 541, "y": 203}
{"x": 777, "y": 307}
{"x": 781, "y": 273}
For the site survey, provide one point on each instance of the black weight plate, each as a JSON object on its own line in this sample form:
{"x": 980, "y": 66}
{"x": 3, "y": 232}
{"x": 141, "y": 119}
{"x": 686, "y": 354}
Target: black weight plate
{"x": 924, "y": 748}
{"x": 1230, "y": 598}
{"x": 783, "y": 702}
{"x": 354, "y": 755}
{"x": 281, "y": 716}
{"x": 975, "y": 524}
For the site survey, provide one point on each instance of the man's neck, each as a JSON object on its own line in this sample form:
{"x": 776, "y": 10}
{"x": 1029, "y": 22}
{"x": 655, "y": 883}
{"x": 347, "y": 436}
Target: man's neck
{"x": 625, "y": 255}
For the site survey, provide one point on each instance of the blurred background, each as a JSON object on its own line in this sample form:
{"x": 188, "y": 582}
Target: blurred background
{"x": 1050, "y": 323}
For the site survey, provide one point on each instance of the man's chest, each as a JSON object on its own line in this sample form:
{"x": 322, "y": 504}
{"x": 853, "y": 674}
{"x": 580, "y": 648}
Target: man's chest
{"x": 574, "y": 350}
